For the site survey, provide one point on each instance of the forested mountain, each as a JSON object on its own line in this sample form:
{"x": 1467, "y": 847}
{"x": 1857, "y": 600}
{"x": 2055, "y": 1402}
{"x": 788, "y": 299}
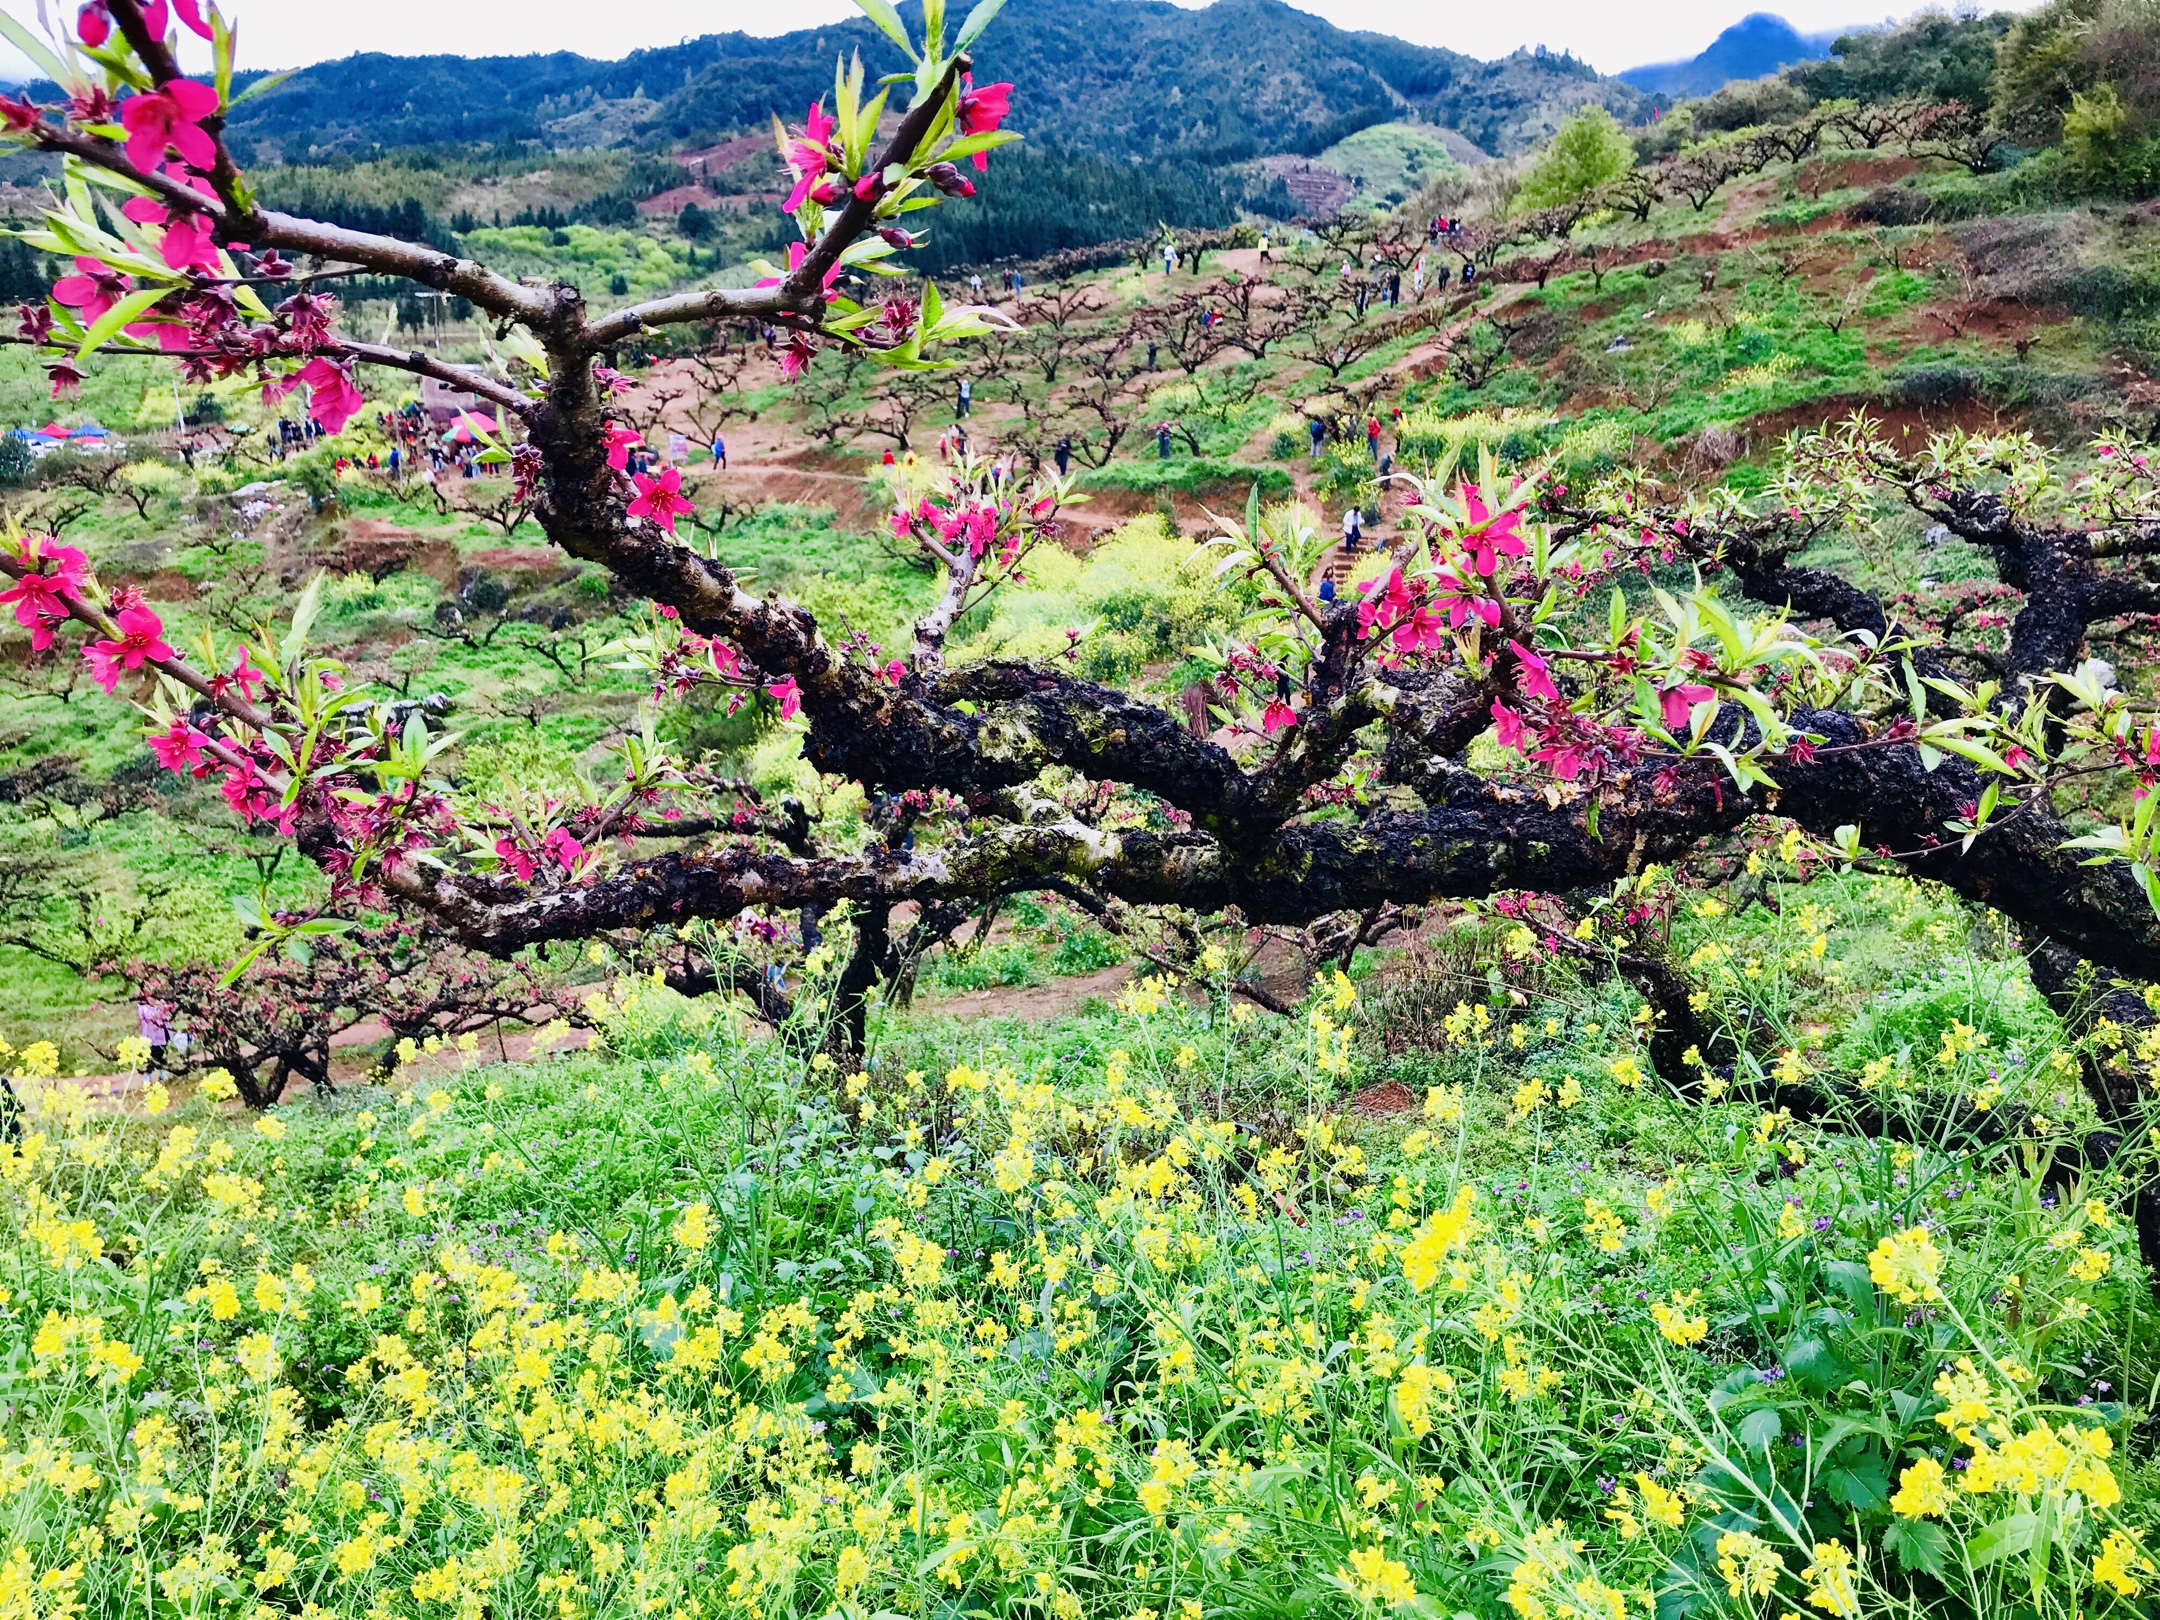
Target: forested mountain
{"x": 1757, "y": 44}
{"x": 1129, "y": 78}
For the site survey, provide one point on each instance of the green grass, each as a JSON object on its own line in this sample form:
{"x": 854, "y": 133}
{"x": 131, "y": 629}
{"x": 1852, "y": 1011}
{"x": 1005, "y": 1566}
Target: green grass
{"x": 1119, "y": 1310}
{"x": 1183, "y": 474}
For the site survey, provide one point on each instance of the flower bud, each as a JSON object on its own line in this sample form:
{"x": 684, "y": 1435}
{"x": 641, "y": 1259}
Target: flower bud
{"x": 949, "y": 180}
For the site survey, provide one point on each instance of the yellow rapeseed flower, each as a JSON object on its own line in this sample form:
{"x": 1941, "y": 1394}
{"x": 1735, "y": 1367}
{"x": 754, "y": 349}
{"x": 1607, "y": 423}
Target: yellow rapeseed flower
{"x": 1923, "y": 1490}
{"x": 1907, "y": 1265}
{"x": 2120, "y": 1564}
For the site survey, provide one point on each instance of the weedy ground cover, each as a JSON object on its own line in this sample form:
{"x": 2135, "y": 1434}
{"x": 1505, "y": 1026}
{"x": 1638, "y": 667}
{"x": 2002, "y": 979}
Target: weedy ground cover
{"x": 1121, "y": 1315}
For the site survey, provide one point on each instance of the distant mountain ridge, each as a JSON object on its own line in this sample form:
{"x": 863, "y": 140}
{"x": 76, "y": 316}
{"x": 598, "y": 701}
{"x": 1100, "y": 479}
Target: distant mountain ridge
{"x": 1757, "y": 44}
{"x": 1126, "y": 78}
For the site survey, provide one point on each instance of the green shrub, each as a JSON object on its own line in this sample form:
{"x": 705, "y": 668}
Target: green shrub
{"x": 1185, "y": 474}
{"x": 999, "y": 963}
{"x": 1085, "y": 950}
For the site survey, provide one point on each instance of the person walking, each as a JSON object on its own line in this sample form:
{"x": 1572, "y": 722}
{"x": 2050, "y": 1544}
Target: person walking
{"x": 1353, "y": 527}
{"x": 1319, "y": 432}
{"x": 397, "y": 462}
{"x": 153, "y": 1022}
{"x": 1469, "y": 274}
{"x": 1394, "y": 288}
{"x": 1064, "y": 454}
{"x": 1162, "y": 441}
{"x": 1417, "y": 279}
{"x": 719, "y": 452}
{"x": 1372, "y": 435}
{"x": 1264, "y": 256}
{"x": 1387, "y": 472}
{"x": 1169, "y": 259}
{"x": 966, "y": 403}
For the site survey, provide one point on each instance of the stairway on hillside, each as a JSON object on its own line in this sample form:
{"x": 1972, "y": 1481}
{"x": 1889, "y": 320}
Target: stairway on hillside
{"x": 1344, "y": 566}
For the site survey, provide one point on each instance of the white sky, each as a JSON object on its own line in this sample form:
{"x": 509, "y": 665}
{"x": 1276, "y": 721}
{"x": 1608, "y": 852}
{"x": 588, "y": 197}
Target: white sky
{"x": 289, "y": 33}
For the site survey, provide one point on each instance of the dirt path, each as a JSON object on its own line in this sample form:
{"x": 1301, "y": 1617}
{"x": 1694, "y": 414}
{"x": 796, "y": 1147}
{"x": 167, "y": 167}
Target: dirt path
{"x": 1031, "y": 1001}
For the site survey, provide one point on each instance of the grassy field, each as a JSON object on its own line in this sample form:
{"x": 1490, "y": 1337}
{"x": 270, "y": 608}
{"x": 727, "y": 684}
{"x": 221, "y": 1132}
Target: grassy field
{"x": 1125, "y": 1312}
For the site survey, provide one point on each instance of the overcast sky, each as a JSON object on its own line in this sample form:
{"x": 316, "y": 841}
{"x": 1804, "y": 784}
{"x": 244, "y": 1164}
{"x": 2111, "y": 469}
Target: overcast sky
{"x": 289, "y": 33}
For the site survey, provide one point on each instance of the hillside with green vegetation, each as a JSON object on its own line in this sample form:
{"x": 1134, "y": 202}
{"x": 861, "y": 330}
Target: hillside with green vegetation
{"x": 1389, "y": 163}
{"x": 1252, "y": 76}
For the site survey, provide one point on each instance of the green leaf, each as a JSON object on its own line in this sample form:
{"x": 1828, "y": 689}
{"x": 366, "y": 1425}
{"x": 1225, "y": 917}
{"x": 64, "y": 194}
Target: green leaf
{"x": 1760, "y": 1428}
{"x": 1966, "y": 748}
{"x": 2005, "y": 1538}
{"x": 34, "y": 48}
{"x": 888, "y": 21}
{"x": 980, "y": 18}
{"x": 305, "y": 612}
{"x": 246, "y": 961}
{"x": 1815, "y": 1364}
{"x": 968, "y": 145}
{"x": 223, "y": 44}
{"x": 1917, "y": 1545}
{"x": 262, "y": 86}
{"x": 121, "y": 314}
{"x": 1862, "y": 1486}
{"x": 2151, "y": 880}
